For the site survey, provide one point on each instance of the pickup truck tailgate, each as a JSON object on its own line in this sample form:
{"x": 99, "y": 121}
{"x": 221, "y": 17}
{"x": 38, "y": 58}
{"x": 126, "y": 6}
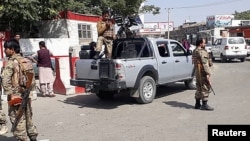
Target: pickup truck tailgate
{"x": 84, "y": 71}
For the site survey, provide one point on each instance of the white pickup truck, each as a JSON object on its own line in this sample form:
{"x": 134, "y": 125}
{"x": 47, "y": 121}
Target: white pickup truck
{"x": 138, "y": 66}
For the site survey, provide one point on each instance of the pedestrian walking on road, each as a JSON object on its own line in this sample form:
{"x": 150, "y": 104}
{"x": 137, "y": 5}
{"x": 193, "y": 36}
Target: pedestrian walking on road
{"x": 14, "y": 85}
{"x": 45, "y": 70}
{"x": 200, "y": 59}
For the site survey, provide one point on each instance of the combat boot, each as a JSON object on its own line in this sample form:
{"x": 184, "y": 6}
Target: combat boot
{"x": 204, "y": 106}
{"x": 197, "y": 104}
{"x": 3, "y": 129}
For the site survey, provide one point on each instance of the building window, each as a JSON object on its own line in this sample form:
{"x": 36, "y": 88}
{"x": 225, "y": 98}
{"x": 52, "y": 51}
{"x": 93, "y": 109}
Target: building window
{"x": 84, "y": 31}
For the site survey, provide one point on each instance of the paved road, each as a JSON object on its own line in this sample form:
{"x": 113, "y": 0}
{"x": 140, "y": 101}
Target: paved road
{"x": 170, "y": 117}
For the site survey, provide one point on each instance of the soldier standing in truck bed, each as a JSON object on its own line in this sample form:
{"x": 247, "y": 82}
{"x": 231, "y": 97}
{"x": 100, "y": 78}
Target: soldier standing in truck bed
{"x": 106, "y": 35}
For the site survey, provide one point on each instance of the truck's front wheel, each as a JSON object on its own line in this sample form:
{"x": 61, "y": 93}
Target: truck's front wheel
{"x": 105, "y": 95}
{"x": 146, "y": 90}
{"x": 191, "y": 84}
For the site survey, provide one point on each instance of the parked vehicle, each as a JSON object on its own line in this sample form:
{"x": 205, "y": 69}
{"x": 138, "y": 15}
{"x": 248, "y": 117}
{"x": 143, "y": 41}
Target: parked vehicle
{"x": 208, "y": 47}
{"x": 248, "y": 46}
{"x": 138, "y": 66}
{"x": 192, "y": 47}
{"x": 26, "y": 54}
{"x": 229, "y": 48}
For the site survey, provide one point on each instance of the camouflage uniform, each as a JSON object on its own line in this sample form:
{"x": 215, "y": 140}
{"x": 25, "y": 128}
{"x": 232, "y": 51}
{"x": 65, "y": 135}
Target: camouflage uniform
{"x": 11, "y": 86}
{"x": 3, "y": 119}
{"x": 202, "y": 85}
{"x": 105, "y": 37}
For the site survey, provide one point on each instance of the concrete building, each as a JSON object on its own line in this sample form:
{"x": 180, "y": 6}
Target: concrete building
{"x": 155, "y": 29}
{"x": 213, "y": 28}
{"x": 239, "y": 28}
{"x": 71, "y": 29}
{"x": 187, "y": 30}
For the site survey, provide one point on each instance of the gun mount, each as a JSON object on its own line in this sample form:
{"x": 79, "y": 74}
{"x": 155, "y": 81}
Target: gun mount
{"x": 125, "y": 24}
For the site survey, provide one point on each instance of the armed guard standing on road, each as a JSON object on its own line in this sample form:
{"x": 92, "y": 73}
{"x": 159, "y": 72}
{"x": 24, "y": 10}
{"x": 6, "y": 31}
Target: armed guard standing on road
{"x": 200, "y": 59}
{"x": 13, "y": 88}
{"x": 106, "y": 35}
{"x": 3, "y": 121}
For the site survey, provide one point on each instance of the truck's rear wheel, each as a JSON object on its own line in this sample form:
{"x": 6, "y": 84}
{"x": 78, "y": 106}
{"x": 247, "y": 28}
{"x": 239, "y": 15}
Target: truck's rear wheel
{"x": 212, "y": 56}
{"x": 146, "y": 90}
{"x": 106, "y": 95}
{"x": 242, "y": 59}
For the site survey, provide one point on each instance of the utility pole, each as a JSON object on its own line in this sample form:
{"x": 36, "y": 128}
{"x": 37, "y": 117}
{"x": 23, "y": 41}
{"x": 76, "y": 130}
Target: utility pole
{"x": 168, "y": 19}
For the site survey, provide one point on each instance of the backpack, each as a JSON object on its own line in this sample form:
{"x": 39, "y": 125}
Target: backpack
{"x": 26, "y": 65}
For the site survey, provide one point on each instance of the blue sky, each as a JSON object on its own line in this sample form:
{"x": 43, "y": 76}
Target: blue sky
{"x": 194, "y": 10}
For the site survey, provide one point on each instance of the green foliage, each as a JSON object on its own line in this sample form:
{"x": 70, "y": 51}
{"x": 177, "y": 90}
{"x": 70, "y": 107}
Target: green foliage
{"x": 22, "y": 15}
{"x": 242, "y": 15}
{"x": 150, "y": 8}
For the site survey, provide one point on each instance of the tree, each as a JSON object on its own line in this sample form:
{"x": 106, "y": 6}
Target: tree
{"x": 242, "y": 15}
{"x": 21, "y": 16}
{"x": 121, "y": 7}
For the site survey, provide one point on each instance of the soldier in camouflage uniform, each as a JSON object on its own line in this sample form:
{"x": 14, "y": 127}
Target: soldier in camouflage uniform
{"x": 200, "y": 58}
{"x": 11, "y": 86}
{"x": 3, "y": 121}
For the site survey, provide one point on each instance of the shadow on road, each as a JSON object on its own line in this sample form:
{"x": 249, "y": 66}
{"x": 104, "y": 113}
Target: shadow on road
{"x": 173, "y": 89}
{"x": 229, "y": 61}
{"x": 170, "y": 89}
{"x": 179, "y": 104}
{"x": 92, "y": 101}
{"x": 123, "y": 98}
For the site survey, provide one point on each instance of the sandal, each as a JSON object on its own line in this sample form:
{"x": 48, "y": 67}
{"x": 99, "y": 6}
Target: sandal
{"x": 44, "y": 95}
{"x": 52, "y": 95}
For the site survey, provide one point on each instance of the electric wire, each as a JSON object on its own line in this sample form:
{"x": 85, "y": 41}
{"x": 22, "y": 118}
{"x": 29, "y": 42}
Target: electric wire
{"x": 208, "y": 4}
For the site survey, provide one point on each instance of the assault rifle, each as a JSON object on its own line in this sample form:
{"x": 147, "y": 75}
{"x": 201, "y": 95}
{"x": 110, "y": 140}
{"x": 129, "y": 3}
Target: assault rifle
{"x": 25, "y": 100}
{"x": 1, "y": 93}
{"x": 201, "y": 67}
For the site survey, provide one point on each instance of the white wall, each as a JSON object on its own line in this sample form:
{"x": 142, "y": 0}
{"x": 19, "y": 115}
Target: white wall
{"x": 63, "y": 38}
{"x": 238, "y": 22}
{"x": 58, "y": 46}
{"x": 73, "y": 30}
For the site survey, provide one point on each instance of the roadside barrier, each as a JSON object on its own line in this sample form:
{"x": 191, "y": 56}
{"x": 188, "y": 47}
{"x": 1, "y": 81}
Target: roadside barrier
{"x": 62, "y": 80}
